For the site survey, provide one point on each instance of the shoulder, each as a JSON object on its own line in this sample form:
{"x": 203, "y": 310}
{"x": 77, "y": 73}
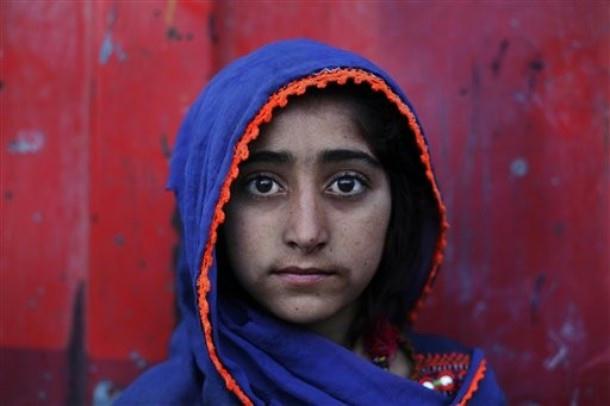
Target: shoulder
{"x": 459, "y": 372}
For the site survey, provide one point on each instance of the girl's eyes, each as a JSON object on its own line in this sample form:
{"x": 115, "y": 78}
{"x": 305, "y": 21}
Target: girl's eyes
{"x": 345, "y": 185}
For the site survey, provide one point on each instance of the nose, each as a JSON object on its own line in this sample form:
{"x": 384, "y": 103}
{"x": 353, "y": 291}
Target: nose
{"x": 306, "y": 226}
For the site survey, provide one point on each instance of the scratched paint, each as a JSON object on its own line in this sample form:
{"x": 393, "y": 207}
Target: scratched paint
{"x": 110, "y": 47}
{"x": 27, "y": 142}
{"x": 519, "y": 167}
{"x": 105, "y": 393}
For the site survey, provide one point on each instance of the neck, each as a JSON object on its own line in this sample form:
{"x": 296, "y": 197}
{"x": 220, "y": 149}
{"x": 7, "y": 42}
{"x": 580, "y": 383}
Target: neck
{"x": 336, "y": 327}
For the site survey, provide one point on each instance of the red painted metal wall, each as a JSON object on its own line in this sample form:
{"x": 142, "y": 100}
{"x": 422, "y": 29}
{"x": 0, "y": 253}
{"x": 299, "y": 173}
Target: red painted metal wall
{"x": 515, "y": 100}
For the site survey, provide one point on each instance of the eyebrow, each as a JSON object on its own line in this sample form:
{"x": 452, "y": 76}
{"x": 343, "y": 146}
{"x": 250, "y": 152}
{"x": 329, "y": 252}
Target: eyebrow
{"x": 340, "y": 155}
{"x": 277, "y": 157}
{"x": 327, "y": 156}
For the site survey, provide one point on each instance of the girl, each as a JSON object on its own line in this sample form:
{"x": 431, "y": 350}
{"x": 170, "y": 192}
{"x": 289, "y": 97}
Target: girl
{"x": 312, "y": 229}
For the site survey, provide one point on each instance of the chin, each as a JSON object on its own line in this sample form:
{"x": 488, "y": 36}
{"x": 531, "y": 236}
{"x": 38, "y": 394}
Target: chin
{"x": 303, "y": 311}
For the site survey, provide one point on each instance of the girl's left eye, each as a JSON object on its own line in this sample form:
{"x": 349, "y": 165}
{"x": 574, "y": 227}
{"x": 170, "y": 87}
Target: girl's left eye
{"x": 347, "y": 185}
{"x": 263, "y": 186}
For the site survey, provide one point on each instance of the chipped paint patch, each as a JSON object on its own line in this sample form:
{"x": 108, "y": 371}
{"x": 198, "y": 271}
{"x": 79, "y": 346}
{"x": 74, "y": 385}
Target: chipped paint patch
{"x": 560, "y": 355}
{"x": 27, "y": 142}
{"x": 105, "y": 393}
{"x": 519, "y": 167}
{"x": 552, "y": 362}
{"x": 109, "y": 46}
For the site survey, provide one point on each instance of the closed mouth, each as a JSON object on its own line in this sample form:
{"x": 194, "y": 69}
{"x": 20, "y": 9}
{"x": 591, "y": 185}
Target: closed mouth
{"x": 293, "y": 270}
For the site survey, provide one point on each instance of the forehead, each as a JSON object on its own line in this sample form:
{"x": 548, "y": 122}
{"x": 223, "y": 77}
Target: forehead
{"x": 310, "y": 125}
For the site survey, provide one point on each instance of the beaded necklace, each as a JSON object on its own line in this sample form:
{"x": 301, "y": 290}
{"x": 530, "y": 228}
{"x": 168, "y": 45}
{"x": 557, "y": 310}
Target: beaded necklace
{"x": 383, "y": 342}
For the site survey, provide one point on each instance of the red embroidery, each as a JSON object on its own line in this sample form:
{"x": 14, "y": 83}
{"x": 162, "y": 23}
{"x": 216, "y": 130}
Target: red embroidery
{"x": 441, "y": 372}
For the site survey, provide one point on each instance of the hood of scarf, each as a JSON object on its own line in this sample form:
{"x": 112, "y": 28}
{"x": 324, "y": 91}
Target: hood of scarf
{"x": 229, "y": 353}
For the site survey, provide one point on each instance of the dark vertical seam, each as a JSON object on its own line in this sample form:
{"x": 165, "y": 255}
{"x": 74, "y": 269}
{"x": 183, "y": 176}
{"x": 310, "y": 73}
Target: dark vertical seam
{"x": 76, "y": 352}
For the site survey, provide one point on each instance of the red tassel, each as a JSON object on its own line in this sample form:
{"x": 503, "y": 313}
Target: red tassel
{"x": 381, "y": 341}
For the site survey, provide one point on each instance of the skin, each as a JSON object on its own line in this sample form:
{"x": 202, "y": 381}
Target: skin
{"x": 307, "y": 218}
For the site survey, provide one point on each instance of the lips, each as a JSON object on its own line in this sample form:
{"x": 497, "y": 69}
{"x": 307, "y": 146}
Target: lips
{"x": 303, "y": 276}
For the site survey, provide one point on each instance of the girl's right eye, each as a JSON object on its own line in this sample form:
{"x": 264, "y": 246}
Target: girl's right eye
{"x": 263, "y": 186}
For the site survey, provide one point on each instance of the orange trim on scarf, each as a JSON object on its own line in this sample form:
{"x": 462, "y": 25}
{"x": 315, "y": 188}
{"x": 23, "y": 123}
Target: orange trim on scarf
{"x": 474, "y": 386}
{"x": 280, "y": 99}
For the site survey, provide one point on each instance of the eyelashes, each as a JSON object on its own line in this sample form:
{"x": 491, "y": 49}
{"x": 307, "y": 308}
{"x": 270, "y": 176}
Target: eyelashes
{"x": 346, "y": 184}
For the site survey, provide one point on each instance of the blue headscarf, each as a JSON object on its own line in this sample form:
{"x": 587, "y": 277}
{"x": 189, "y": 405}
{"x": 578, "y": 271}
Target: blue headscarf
{"x": 225, "y": 352}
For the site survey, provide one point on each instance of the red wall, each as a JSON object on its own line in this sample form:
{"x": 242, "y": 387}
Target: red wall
{"x": 515, "y": 100}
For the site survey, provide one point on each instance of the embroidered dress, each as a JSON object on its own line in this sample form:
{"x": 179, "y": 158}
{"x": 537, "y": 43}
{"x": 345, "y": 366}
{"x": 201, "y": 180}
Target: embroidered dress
{"x": 225, "y": 351}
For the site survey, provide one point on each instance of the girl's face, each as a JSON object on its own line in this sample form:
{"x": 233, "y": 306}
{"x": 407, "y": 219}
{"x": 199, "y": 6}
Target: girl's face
{"x": 308, "y": 215}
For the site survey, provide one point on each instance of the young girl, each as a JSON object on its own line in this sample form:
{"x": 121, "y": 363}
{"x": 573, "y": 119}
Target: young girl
{"x": 312, "y": 229}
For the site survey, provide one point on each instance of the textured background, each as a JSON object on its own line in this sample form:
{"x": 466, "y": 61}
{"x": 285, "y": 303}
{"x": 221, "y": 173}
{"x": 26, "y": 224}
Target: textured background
{"x": 514, "y": 97}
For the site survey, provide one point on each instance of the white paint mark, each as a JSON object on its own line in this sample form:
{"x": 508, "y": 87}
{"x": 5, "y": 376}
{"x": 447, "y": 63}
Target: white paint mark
{"x": 572, "y": 330}
{"x": 552, "y": 362}
{"x": 519, "y": 167}
{"x": 105, "y": 393}
{"x": 562, "y": 353}
{"x": 108, "y": 48}
{"x": 27, "y": 142}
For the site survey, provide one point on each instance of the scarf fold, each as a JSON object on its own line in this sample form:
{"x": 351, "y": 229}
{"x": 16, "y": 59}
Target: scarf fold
{"x": 288, "y": 365}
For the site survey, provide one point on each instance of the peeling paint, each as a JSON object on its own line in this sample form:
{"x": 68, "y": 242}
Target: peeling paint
{"x": 105, "y": 393}
{"x": 519, "y": 167}
{"x": 27, "y": 142}
{"x": 108, "y": 47}
{"x": 552, "y": 362}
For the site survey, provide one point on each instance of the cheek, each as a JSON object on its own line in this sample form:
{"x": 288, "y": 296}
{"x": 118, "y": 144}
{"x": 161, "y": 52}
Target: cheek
{"x": 246, "y": 236}
{"x": 364, "y": 236}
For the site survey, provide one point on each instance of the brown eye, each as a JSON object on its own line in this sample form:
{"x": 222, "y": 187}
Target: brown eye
{"x": 347, "y": 185}
{"x": 263, "y": 186}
